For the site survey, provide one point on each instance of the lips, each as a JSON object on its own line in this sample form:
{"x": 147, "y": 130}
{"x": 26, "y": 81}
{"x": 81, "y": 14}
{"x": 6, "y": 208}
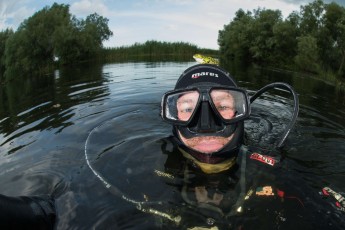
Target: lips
{"x": 206, "y": 144}
{"x": 209, "y": 146}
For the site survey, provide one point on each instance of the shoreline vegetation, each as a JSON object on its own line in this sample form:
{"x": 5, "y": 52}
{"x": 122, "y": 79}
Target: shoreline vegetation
{"x": 155, "y": 51}
{"x": 310, "y": 42}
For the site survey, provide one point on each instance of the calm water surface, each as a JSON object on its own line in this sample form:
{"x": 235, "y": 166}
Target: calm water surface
{"x": 54, "y": 129}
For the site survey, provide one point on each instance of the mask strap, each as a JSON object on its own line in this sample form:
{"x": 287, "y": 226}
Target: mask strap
{"x": 295, "y": 111}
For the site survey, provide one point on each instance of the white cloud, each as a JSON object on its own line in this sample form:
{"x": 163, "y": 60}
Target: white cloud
{"x": 171, "y": 27}
{"x": 87, "y": 7}
{"x": 11, "y": 16}
{"x": 198, "y": 24}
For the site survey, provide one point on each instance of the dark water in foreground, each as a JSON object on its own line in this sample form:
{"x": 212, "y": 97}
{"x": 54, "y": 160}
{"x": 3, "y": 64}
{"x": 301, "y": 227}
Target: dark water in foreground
{"x": 109, "y": 115}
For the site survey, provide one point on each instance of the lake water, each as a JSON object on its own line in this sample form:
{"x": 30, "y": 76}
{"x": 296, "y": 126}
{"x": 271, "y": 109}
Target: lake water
{"x": 56, "y": 129}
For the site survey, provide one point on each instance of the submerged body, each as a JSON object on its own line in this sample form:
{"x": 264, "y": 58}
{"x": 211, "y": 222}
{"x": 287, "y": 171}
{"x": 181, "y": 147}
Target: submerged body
{"x": 255, "y": 193}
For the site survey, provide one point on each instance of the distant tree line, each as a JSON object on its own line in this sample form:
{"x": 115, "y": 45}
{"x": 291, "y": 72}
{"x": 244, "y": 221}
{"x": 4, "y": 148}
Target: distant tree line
{"x": 51, "y": 35}
{"x": 155, "y": 50}
{"x": 311, "y": 40}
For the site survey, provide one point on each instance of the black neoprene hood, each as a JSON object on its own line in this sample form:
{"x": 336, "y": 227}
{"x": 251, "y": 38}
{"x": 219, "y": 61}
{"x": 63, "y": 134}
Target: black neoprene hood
{"x": 204, "y": 73}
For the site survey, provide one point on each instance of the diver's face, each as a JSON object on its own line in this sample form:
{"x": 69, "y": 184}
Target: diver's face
{"x": 224, "y": 103}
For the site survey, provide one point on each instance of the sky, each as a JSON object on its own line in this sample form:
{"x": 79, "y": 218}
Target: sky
{"x": 193, "y": 21}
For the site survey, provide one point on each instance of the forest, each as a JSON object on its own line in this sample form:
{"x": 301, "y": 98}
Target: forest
{"x": 311, "y": 40}
{"x": 155, "y": 50}
{"x": 52, "y": 35}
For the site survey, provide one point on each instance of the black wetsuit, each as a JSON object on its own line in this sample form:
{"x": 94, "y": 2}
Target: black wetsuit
{"x": 232, "y": 199}
{"x": 27, "y": 212}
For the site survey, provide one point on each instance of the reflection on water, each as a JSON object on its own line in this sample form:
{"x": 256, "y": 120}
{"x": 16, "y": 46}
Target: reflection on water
{"x": 45, "y": 121}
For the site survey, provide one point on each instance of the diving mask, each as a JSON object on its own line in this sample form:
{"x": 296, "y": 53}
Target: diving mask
{"x": 203, "y": 109}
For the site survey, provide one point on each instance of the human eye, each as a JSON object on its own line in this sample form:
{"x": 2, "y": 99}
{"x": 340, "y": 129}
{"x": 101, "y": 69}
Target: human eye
{"x": 224, "y": 107}
{"x": 226, "y": 111}
{"x": 186, "y": 109}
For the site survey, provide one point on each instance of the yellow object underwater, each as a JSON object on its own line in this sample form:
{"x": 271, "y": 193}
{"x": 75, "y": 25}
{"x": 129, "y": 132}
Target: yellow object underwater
{"x": 205, "y": 59}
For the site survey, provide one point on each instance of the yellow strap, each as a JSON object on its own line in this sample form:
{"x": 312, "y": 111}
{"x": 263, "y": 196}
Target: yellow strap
{"x": 210, "y": 168}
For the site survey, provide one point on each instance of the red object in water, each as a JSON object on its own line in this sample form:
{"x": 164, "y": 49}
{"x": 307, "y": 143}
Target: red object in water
{"x": 338, "y": 204}
{"x": 280, "y": 193}
{"x": 325, "y": 192}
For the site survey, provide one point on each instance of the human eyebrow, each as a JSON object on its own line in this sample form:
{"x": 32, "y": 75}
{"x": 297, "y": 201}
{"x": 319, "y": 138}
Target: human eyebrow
{"x": 185, "y": 100}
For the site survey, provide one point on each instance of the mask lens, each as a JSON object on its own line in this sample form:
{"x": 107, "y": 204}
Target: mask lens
{"x": 230, "y": 104}
{"x": 181, "y": 106}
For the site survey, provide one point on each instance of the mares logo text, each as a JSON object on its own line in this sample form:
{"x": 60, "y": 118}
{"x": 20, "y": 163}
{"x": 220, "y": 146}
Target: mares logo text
{"x": 197, "y": 75}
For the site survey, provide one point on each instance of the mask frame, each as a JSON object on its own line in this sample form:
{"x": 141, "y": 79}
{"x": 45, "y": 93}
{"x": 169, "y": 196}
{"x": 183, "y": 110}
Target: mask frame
{"x": 204, "y": 96}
